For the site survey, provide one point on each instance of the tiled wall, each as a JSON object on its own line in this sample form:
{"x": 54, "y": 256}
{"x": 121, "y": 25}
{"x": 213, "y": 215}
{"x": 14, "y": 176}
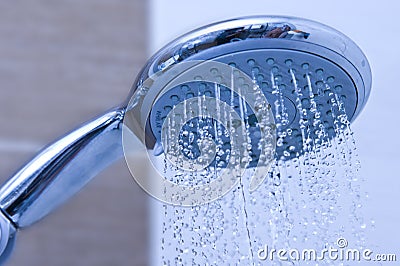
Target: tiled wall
{"x": 61, "y": 63}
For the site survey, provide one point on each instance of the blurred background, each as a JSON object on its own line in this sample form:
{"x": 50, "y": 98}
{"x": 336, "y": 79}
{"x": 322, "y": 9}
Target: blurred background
{"x": 63, "y": 62}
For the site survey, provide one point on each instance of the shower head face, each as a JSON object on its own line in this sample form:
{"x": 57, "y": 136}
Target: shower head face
{"x": 305, "y": 70}
{"x": 298, "y": 85}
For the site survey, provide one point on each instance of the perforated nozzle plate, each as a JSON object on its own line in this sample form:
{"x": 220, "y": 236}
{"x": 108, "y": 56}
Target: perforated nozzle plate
{"x": 273, "y": 71}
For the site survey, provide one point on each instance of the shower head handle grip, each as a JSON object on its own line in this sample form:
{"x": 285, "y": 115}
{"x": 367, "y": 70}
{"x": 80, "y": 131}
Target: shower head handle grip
{"x": 60, "y": 170}
{"x": 7, "y": 239}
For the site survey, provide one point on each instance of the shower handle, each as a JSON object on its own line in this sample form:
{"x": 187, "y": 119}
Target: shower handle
{"x": 60, "y": 170}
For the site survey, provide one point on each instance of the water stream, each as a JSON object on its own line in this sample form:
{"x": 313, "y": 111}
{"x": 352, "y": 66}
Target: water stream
{"x": 308, "y": 201}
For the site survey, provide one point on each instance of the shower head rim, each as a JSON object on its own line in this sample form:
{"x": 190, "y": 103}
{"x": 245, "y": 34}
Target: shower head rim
{"x": 320, "y": 35}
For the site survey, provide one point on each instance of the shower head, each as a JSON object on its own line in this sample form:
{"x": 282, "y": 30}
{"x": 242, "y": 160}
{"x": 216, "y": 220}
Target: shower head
{"x": 302, "y": 68}
{"x": 313, "y": 78}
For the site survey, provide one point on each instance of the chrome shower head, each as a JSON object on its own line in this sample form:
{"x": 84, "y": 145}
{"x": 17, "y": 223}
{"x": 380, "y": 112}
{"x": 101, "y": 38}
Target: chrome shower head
{"x": 297, "y": 64}
{"x": 314, "y": 78}
{"x": 300, "y": 65}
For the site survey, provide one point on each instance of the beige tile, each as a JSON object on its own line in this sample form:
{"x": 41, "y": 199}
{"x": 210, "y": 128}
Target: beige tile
{"x": 61, "y": 63}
